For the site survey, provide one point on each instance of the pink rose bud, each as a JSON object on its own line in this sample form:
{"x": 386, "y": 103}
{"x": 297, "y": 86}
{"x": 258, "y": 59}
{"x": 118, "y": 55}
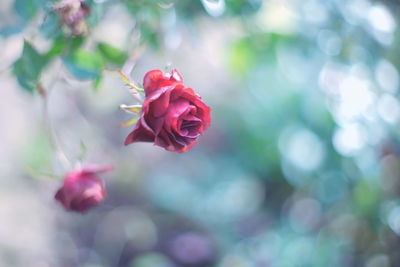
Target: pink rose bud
{"x": 73, "y": 13}
{"x": 82, "y": 188}
{"x": 173, "y": 116}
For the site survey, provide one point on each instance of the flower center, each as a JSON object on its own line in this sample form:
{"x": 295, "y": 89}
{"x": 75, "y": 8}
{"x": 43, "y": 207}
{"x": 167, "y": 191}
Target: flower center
{"x": 190, "y": 128}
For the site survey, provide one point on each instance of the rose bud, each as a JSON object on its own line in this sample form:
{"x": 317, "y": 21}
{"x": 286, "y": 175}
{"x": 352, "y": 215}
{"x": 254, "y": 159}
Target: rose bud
{"x": 173, "y": 116}
{"x": 72, "y": 14}
{"x": 82, "y": 189}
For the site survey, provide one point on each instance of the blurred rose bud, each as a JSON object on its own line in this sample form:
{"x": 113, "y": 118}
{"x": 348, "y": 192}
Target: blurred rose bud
{"x": 83, "y": 189}
{"x": 72, "y": 14}
{"x": 173, "y": 116}
{"x": 388, "y": 147}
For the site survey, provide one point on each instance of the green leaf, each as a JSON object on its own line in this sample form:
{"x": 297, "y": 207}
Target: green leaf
{"x": 28, "y": 67}
{"x": 59, "y": 45}
{"x": 84, "y": 65}
{"x": 65, "y": 45}
{"x": 75, "y": 43}
{"x": 112, "y": 54}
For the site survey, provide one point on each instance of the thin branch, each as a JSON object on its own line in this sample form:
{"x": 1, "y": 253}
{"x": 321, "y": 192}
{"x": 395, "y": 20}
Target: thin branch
{"x": 50, "y": 131}
{"x": 64, "y": 161}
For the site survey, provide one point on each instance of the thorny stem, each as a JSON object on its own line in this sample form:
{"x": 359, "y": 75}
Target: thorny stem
{"x": 134, "y": 89}
{"x": 128, "y": 67}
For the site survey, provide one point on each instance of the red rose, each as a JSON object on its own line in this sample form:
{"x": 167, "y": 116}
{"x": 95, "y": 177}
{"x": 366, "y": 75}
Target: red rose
{"x": 172, "y": 116}
{"x": 82, "y": 189}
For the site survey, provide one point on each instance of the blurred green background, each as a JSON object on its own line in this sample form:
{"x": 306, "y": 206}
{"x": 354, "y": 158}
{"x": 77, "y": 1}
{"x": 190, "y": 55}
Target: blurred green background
{"x": 300, "y": 166}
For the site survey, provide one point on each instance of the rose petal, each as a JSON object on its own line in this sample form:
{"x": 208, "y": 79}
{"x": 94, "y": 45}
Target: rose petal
{"x": 151, "y": 80}
{"x": 163, "y": 140}
{"x": 160, "y": 106}
{"x": 176, "y": 76}
{"x": 139, "y": 134}
{"x": 176, "y": 109}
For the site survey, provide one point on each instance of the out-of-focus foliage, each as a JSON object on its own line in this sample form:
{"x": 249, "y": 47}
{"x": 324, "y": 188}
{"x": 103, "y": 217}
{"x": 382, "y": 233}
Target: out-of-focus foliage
{"x": 27, "y": 69}
{"x": 301, "y": 166}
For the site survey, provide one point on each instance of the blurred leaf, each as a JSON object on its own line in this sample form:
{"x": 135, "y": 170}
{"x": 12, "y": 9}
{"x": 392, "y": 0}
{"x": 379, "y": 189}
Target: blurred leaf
{"x": 257, "y": 49}
{"x": 44, "y": 3}
{"x": 97, "y": 83}
{"x": 97, "y": 10}
{"x": 64, "y": 44}
{"x": 37, "y": 153}
{"x": 84, "y": 65}
{"x": 51, "y": 25}
{"x": 366, "y": 197}
{"x": 150, "y": 35}
{"x": 112, "y": 54}
{"x": 12, "y": 29}
{"x": 28, "y": 67}
{"x": 150, "y": 259}
{"x": 58, "y": 46}
{"x": 242, "y": 6}
{"x": 241, "y": 56}
{"x": 41, "y": 174}
{"x": 75, "y": 43}
{"x": 25, "y": 9}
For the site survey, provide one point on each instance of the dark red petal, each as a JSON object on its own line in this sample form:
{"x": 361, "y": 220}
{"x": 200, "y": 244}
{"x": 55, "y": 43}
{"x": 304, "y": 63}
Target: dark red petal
{"x": 163, "y": 140}
{"x": 90, "y": 202}
{"x": 177, "y": 108}
{"x": 203, "y": 111}
{"x": 139, "y": 134}
{"x": 82, "y": 205}
{"x": 151, "y": 80}
{"x": 59, "y": 195}
{"x": 177, "y": 92}
{"x": 186, "y": 148}
{"x": 159, "y": 106}
{"x": 155, "y": 124}
{"x": 190, "y": 91}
